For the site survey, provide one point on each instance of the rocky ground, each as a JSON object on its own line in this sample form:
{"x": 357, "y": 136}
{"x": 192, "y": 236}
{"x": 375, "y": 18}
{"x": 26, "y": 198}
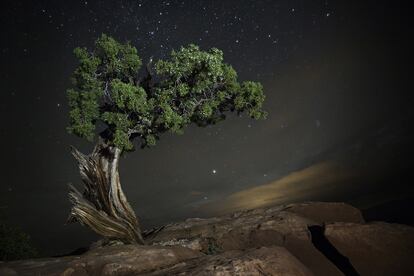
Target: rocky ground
{"x": 298, "y": 239}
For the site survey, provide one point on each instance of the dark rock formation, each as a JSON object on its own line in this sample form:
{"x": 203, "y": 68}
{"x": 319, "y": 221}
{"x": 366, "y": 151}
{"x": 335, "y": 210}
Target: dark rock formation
{"x": 297, "y": 239}
{"x": 394, "y": 211}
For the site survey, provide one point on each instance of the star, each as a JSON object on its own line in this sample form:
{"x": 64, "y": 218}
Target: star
{"x": 214, "y": 171}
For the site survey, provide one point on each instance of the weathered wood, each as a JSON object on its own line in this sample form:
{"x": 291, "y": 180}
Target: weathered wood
{"x": 103, "y": 206}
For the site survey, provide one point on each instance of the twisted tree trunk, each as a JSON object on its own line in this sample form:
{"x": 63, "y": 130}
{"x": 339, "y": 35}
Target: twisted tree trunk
{"x": 103, "y": 206}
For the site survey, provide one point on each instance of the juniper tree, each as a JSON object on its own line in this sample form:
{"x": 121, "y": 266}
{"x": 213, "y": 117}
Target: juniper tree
{"x": 111, "y": 104}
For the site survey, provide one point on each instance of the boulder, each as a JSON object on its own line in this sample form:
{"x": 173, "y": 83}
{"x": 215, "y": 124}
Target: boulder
{"x": 311, "y": 257}
{"x": 110, "y": 260}
{"x": 257, "y": 261}
{"x": 375, "y": 248}
{"x": 274, "y": 226}
{"x": 237, "y": 231}
{"x": 325, "y": 212}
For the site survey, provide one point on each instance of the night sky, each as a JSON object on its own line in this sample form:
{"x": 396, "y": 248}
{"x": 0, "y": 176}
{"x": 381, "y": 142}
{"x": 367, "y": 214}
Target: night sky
{"x": 336, "y": 74}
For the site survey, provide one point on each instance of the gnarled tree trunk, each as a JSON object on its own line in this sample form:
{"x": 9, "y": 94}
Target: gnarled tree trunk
{"x": 103, "y": 206}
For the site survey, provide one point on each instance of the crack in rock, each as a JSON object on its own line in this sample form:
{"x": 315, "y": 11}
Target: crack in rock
{"x": 330, "y": 252}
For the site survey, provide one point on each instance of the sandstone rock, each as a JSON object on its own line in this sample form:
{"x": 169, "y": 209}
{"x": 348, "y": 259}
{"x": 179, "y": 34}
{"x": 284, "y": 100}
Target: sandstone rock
{"x": 375, "y": 248}
{"x": 274, "y": 226}
{"x": 261, "y": 261}
{"x": 295, "y": 239}
{"x": 311, "y": 257}
{"x": 324, "y": 212}
{"x": 244, "y": 228}
{"x": 110, "y": 260}
{"x": 194, "y": 244}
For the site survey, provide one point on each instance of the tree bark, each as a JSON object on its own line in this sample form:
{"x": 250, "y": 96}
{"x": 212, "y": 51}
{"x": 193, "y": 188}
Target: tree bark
{"x": 103, "y": 206}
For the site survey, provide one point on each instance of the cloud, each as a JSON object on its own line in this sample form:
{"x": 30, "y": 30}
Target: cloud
{"x": 196, "y": 193}
{"x": 314, "y": 181}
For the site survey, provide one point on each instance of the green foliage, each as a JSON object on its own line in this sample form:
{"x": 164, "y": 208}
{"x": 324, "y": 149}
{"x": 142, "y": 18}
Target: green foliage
{"x": 129, "y": 97}
{"x": 117, "y": 60}
{"x": 212, "y": 247}
{"x": 14, "y": 244}
{"x": 192, "y": 86}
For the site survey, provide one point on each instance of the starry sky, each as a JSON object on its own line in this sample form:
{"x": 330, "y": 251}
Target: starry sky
{"x": 337, "y": 79}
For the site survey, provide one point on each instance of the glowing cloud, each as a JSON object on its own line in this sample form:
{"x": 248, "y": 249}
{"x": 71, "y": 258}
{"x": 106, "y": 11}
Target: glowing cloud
{"x": 317, "y": 180}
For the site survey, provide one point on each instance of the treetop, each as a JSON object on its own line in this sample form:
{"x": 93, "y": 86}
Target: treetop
{"x": 192, "y": 86}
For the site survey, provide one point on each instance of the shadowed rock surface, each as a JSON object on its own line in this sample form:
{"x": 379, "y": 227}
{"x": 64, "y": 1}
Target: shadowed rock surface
{"x": 394, "y": 211}
{"x": 375, "y": 248}
{"x": 296, "y": 239}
